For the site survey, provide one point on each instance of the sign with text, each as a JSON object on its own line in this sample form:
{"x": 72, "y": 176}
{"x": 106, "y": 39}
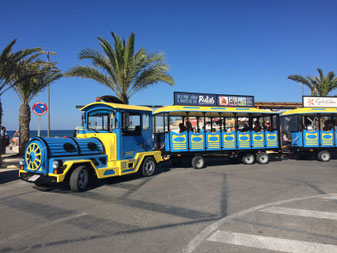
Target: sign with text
{"x": 319, "y": 101}
{"x": 200, "y": 99}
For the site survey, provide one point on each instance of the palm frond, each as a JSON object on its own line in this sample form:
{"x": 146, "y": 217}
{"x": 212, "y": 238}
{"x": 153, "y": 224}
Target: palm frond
{"x": 121, "y": 68}
{"x": 300, "y": 79}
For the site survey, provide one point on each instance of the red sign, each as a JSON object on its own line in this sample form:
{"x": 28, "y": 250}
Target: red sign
{"x": 39, "y": 108}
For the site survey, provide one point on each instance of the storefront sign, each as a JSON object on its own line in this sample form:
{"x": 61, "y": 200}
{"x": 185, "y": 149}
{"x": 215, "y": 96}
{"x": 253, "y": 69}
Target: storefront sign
{"x": 319, "y": 101}
{"x": 199, "y": 99}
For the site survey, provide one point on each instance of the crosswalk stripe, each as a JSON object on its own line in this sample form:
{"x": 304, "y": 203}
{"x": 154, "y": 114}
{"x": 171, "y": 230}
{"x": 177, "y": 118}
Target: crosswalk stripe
{"x": 300, "y": 212}
{"x": 271, "y": 243}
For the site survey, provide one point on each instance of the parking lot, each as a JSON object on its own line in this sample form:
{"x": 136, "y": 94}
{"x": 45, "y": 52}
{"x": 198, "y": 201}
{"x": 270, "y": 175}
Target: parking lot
{"x": 226, "y": 207}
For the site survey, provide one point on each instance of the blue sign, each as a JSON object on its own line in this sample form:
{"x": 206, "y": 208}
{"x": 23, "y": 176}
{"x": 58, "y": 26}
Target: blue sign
{"x": 39, "y": 108}
{"x": 202, "y": 99}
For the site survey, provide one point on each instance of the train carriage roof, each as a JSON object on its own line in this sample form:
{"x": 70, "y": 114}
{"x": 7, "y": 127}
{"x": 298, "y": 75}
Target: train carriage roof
{"x": 177, "y": 110}
{"x": 309, "y": 110}
{"x": 116, "y": 106}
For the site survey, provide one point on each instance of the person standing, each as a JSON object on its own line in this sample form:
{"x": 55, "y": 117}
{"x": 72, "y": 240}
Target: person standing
{"x": 16, "y": 138}
{"x": 3, "y": 134}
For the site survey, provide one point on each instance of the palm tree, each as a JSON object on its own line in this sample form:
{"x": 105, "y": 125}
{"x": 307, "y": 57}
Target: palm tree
{"x": 28, "y": 89}
{"x": 320, "y": 85}
{"x": 121, "y": 68}
{"x": 10, "y": 64}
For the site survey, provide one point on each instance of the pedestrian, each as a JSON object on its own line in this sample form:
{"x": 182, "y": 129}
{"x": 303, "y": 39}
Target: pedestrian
{"x": 3, "y": 140}
{"x": 16, "y": 137}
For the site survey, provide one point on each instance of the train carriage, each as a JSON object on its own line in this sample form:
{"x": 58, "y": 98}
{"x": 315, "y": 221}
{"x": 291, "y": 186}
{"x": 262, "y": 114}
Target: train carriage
{"x": 311, "y": 130}
{"x": 192, "y": 132}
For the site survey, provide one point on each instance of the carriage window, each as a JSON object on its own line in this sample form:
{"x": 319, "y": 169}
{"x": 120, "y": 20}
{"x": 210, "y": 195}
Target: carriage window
{"x": 166, "y": 123}
{"x": 292, "y": 122}
{"x": 146, "y": 122}
{"x": 311, "y": 123}
{"x": 229, "y": 125}
{"x": 257, "y": 125}
{"x": 208, "y": 124}
{"x": 326, "y": 123}
{"x": 201, "y": 123}
{"x": 243, "y": 124}
{"x": 266, "y": 124}
{"x": 177, "y": 124}
{"x": 216, "y": 124}
{"x": 191, "y": 124}
{"x": 101, "y": 120}
{"x": 131, "y": 124}
{"x": 274, "y": 123}
{"x": 335, "y": 122}
{"x": 159, "y": 124}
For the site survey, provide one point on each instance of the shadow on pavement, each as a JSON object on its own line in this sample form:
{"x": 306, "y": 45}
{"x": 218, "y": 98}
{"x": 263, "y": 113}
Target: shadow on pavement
{"x": 121, "y": 181}
{"x": 8, "y": 176}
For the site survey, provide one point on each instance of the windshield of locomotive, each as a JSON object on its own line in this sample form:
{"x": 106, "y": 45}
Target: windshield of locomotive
{"x": 101, "y": 120}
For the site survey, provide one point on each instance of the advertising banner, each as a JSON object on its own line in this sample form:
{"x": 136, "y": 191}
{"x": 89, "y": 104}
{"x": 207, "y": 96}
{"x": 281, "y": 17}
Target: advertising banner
{"x": 319, "y": 101}
{"x": 203, "y": 99}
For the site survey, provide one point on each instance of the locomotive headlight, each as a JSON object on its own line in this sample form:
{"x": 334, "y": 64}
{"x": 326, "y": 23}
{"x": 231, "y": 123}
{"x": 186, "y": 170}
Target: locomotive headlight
{"x": 56, "y": 164}
{"x": 22, "y": 162}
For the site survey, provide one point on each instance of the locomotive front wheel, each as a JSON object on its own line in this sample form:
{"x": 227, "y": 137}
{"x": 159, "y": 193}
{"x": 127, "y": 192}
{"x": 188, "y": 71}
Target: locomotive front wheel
{"x": 198, "y": 162}
{"x": 148, "y": 167}
{"x": 262, "y": 158}
{"x": 324, "y": 156}
{"x": 248, "y": 159}
{"x": 79, "y": 179}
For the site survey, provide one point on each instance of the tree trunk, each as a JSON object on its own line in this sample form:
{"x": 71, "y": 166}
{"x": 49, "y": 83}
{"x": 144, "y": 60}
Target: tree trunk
{"x": 0, "y": 112}
{"x": 124, "y": 99}
{"x": 24, "y": 120}
{"x": 1, "y": 142}
{"x": 314, "y": 92}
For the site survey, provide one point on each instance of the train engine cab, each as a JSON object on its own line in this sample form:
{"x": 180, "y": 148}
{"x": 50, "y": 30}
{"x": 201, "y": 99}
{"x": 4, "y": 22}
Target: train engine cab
{"x": 116, "y": 140}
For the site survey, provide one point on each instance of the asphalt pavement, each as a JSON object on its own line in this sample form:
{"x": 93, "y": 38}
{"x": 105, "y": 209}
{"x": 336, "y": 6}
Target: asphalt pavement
{"x": 285, "y": 205}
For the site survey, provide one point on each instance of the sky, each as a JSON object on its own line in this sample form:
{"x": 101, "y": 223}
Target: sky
{"x": 246, "y": 47}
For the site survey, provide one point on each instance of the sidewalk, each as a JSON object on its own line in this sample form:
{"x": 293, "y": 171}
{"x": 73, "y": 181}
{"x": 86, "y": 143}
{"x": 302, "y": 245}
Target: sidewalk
{"x": 10, "y": 160}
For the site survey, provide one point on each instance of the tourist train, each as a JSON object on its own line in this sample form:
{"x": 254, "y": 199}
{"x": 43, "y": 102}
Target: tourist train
{"x": 118, "y": 139}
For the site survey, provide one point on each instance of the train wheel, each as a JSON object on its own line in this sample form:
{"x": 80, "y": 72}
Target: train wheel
{"x": 148, "y": 167}
{"x": 79, "y": 179}
{"x": 262, "y": 158}
{"x": 324, "y": 156}
{"x": 198, "y": 162}
{"x": 248, "y": 158}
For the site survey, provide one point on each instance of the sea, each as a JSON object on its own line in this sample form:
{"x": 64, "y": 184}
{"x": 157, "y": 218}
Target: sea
{"x": 43, "y": 133}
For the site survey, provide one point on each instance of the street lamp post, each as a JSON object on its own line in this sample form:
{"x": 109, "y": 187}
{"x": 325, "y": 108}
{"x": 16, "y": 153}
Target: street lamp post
{"x": 48, "y": 53}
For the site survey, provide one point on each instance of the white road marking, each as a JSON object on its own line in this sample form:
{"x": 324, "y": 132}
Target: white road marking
{"x": 271, "y": 243}
{"x": 300, "y": 212}
{"x": 197, "y": 240}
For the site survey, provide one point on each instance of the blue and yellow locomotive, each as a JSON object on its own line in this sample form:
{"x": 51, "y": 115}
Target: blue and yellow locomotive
{"x": 115, "y": 140}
